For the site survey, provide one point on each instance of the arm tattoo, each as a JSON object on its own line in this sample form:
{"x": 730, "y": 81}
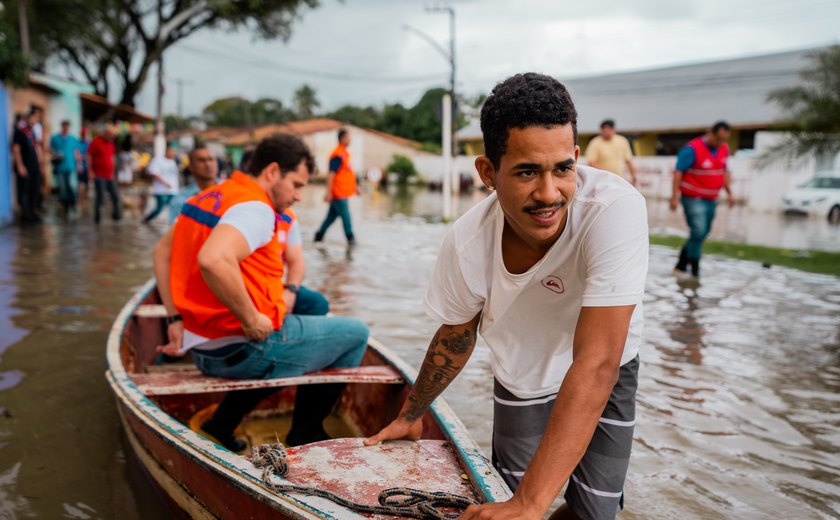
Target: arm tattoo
{"x": 447, "y": 355}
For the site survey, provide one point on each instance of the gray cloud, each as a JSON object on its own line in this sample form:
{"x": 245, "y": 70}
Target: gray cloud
{"x": 363, "y": 41}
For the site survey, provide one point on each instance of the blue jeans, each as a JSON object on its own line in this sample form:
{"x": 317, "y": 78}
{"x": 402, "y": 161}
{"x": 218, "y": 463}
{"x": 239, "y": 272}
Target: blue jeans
{"x": 68, "y": 182}
{"x": 699, "y": 214}
{"x": 338, "y": 208}
{"x": 161, "y": 201}
{"x": 303, "y": 344}
{"x": 310, "y": 303}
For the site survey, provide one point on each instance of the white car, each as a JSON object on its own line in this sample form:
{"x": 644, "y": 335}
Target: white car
{"x": 820, "y": 196}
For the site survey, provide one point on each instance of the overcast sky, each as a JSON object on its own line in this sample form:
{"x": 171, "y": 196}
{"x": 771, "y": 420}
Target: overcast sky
{"x": 357, "y": 51}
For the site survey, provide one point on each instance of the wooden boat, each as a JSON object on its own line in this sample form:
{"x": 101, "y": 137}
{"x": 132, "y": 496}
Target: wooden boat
{"x": 156, "y": 402}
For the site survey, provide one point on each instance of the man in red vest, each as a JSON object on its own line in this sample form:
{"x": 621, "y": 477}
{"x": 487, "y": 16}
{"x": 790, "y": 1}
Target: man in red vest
{"x": 219, "y": 276}
{"x": 698, "y": 177}
{"x": 341, "y": 185}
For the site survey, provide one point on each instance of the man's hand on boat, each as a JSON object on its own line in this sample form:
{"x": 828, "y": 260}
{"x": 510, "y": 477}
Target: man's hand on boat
{"x": 258, "y": 328}
{"x": 513, "y": 509}
{"x": 399, "y": 428}
{"x": 175, "y": 334}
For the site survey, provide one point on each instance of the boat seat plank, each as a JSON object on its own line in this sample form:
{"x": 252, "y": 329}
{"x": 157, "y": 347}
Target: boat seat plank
{"x": 192, "y": 381}
{"x": 150, "y": 311}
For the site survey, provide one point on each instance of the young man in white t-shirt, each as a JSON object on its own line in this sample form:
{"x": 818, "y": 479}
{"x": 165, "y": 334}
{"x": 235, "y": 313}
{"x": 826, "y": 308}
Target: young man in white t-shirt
{"x": 550, "y": 270}
{"x": 164, "y": 172}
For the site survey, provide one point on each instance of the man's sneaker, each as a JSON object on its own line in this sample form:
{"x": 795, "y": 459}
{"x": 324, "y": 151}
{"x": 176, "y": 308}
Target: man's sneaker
{"x": 319, "y": 237}
{"x": 351, "y": 241}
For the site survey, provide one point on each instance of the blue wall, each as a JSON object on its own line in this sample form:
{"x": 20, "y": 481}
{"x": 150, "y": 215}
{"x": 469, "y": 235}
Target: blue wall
{"x": 6, "y": 205}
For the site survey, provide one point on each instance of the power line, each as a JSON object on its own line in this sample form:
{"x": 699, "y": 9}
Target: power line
{"x": 286, "y": 68}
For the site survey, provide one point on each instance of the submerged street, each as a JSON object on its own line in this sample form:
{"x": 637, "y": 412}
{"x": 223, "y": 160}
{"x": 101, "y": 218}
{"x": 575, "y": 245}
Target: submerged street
{"x": 737, "y": 402}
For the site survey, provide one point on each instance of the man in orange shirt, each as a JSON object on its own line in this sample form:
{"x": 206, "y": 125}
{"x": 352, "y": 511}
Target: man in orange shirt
{"x": 341, "y": 185}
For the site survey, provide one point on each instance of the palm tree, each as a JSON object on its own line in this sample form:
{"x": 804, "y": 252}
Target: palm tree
{"x": 814, "y": 107}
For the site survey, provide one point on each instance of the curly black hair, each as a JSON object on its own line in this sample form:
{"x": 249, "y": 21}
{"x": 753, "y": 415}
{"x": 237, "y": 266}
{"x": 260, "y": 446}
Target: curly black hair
{"x": 523, "y": 101}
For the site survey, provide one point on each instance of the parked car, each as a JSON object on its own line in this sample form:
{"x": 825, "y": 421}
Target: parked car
{"x": 819, "y": 196}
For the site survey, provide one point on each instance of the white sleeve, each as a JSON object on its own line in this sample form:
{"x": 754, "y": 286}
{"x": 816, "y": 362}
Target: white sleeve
{"x": 154, "y": 166}
{"x": 255, "y": 220}
{"x": 295, "y": 238}
{"x": 449, "y": 299}
{"x": 616, "y": 254}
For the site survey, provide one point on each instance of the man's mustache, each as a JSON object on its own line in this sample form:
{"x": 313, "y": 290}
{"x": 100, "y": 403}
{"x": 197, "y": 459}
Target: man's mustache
{"x": 542, "y": 205}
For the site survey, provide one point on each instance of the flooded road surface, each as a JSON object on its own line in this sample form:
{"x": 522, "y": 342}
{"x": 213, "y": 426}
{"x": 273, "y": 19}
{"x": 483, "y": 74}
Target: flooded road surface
{"x": 741, "y": 225}
{"x": 739, "y": 396}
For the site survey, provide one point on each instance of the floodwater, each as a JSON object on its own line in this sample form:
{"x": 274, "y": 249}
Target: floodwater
{"x": 738, "y": 404}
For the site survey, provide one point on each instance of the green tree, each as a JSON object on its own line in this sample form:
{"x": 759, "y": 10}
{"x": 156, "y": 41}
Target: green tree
{"x": 403, "y": 167}
{"x": 230, "y": 111}
{"x": 306, "y": 102}
{"x": 13, "y": 65}
{"x": 814, "y": 109}
{"x": 104, "y": 39}
{"x": 365, "y": 117}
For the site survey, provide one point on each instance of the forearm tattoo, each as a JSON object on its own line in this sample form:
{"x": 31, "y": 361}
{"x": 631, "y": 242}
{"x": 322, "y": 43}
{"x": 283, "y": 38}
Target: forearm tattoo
{"x": 447, "y": 355}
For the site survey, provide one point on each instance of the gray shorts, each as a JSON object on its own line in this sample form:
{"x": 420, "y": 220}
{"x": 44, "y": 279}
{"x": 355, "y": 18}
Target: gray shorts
{"x": 596, "y": 488}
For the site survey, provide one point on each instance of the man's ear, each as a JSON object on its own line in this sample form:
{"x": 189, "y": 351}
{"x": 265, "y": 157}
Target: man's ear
{"x": 486, "y": 171}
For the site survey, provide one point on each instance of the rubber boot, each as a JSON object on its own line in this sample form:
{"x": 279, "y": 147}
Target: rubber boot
{"x": 682, "y": 263}
{"x": 232, "y": 409}
{"x": 313, "y": 403}
{"x": 694, "y": 263}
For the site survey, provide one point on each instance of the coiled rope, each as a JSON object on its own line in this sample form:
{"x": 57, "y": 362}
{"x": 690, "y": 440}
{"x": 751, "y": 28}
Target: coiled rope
{"x": 398, "y": 501}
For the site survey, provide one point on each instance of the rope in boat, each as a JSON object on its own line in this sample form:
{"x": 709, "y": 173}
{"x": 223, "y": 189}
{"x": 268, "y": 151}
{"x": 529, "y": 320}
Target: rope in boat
{"x": 398, "y": 501}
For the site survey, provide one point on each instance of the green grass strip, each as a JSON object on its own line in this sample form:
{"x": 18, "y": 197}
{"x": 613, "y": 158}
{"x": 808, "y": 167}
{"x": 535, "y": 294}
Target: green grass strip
{"x": 809, "y": 260}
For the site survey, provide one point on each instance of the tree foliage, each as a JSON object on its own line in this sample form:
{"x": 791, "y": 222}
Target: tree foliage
{"x": 814, "y": 109}
{"x": 306, "y": 102}
{"x": 403, "y": 167}
{"x": 13, "y": 65}
{"x": 240, "y": 112}
{"x": 102, "y": 39}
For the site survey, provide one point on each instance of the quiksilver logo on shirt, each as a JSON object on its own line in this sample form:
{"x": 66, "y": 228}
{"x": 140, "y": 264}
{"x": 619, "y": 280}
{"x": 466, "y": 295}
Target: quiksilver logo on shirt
{"x": 553, "y": 284}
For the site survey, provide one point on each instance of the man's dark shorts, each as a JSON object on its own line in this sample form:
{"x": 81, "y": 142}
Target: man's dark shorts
{"x": 596, "y": 488}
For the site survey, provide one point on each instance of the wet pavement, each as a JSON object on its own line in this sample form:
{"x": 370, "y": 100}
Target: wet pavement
{"x": 737, "y": 406}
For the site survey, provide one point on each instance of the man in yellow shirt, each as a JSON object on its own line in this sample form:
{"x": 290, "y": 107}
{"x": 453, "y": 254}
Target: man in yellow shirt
{"x": 611, "y": 152}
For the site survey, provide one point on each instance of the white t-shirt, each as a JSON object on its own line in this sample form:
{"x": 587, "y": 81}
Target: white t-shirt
{"x": 529, "y": 319}
{"x": 255, "y": 220}
{"x": 168, "y": 170}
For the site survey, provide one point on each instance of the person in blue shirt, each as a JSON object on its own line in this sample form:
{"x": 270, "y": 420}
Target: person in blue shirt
{"x": 66, "y": 163}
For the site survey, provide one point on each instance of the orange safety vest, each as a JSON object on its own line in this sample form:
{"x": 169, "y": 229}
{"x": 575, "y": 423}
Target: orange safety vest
{"x": 261, "y": 271}
{"x": 344, "y": 182}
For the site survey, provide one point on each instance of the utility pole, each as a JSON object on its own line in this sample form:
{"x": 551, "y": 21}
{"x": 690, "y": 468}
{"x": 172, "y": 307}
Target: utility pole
{"x": 163, "y": 33}
{"x": 23, "y": 20}
{"x": 181, "y": 82}
{"x": 446, "y": 184}
{"x": 446, "y": 8}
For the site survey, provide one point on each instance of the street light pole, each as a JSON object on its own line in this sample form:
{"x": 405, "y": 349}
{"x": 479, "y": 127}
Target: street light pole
{"x": 445, "y": 8}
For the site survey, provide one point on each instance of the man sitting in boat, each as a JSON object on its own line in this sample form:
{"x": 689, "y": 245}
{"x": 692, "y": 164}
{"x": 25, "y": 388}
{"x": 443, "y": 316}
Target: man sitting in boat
{"x": 550, "y": 269}
{"x": 220, "y": 280}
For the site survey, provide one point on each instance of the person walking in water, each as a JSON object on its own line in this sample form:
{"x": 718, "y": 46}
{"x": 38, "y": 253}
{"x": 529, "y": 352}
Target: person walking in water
{"x": 164, "y": 172}
{"x": 698, "y": 177}
{"x": 341, "y": 186}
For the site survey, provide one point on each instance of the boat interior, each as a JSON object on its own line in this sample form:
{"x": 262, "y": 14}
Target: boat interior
{"x": 373, "y": 397}
{"x": 371, "y": 400}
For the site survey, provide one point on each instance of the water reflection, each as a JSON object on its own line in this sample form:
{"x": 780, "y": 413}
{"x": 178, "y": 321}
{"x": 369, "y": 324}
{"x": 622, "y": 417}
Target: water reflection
{"x": 738, "y": 396}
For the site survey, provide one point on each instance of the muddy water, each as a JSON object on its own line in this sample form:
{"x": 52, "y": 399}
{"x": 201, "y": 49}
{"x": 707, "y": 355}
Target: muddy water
{"x": 739, "y": 388}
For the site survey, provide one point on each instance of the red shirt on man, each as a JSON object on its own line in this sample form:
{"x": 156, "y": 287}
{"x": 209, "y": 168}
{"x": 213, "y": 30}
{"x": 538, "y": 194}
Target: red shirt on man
{"x": 102, "y": 152}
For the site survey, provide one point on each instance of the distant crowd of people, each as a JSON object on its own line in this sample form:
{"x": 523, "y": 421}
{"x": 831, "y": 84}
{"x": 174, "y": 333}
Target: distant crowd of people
{"x": 107, "y": 161}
